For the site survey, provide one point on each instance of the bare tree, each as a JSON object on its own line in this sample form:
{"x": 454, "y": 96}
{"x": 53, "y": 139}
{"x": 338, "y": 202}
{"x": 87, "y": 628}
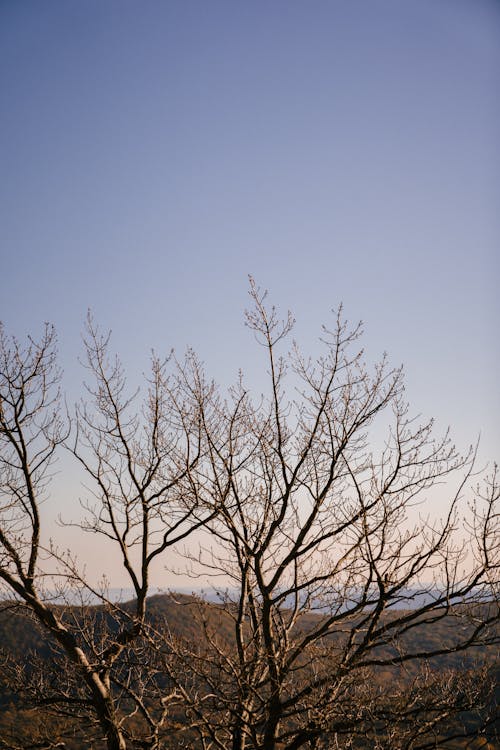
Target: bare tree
{"x": 343, "y": 595}
{"x": 137, "y": 462}
{"x": 349, "y": 616}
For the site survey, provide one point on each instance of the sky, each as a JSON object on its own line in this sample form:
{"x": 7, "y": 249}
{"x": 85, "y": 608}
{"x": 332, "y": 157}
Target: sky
{"x": 154, "y": 154}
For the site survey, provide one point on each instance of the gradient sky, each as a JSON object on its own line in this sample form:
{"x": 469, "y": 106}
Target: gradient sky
{"x": 154, "y": 153}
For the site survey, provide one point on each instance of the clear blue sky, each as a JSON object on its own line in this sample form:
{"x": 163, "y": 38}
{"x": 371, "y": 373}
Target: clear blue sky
{"x": 154, "y": 153}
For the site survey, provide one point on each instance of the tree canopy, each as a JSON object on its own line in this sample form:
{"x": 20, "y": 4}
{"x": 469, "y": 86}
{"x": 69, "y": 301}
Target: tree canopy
{"x": 306, "y": 507}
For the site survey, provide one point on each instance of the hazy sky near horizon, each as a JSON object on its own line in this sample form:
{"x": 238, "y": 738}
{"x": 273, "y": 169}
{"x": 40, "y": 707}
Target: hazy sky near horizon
{"x": 154, "y": 154}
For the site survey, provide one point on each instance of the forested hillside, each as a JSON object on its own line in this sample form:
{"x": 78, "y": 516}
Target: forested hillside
{"x": 32, "y": 670}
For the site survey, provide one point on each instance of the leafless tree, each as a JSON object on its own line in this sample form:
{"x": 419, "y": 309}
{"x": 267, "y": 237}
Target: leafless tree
{"x": 137, "y": 462}
{"x": 348, "y": 614}
{"x": 344, "y": 593}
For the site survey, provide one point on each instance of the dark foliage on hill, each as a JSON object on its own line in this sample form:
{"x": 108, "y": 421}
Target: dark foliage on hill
{"x": 28, "y": 656}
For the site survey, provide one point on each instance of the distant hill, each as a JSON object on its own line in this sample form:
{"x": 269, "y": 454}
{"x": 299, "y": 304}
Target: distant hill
{"x": 187, "y": 618}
